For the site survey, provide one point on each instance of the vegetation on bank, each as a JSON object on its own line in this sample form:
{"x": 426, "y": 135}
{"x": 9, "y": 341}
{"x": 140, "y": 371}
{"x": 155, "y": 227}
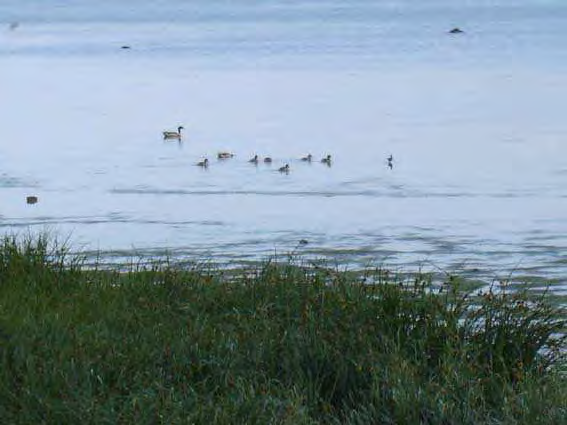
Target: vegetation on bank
{"x": 280, "y": 344}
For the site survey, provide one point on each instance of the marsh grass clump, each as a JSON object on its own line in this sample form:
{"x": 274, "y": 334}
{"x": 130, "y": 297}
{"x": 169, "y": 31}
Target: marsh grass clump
{"x": 284, "y": 343}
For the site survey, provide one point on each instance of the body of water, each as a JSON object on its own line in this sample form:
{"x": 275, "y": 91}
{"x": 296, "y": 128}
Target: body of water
{"x": 474, "y": 121}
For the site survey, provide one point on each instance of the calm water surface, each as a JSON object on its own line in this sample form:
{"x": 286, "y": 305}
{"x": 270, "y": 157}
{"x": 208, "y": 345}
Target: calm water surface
{"x": 475, "y": 123}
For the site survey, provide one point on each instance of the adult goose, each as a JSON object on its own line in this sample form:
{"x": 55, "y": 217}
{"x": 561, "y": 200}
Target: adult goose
{"x": 173, "y": 134}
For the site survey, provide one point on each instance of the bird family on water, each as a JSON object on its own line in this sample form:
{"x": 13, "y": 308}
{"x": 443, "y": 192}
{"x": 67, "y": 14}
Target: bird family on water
{"x": 224, "y": 155}
{"x": 267, "y": 160}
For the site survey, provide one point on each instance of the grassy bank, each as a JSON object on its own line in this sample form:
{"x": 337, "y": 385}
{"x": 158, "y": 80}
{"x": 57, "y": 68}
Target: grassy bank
{"x": 278, "y": 344}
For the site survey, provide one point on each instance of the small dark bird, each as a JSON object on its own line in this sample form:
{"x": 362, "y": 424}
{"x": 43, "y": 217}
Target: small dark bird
{"x": 327, "y": 160}
{"x": 456, "y": 31}
{"x": 125, "y": 47}
{"x": 390, "y": 160}
{"x": 225, "y": 155}
{"x": 254, "y": 159}
{"x": 307, "y": 158}
{"x": 267, "y": 160}
{"x": 31, "y": 200}
{"x": 204, "y": 163}
{"x": 284, "y": 169}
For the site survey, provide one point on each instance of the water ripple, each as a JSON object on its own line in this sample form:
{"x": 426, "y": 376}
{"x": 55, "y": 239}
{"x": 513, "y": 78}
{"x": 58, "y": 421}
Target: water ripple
{"x": 110, "y": 219}
{"x": 320, "y": 193}
{"x": 7, "y": 181}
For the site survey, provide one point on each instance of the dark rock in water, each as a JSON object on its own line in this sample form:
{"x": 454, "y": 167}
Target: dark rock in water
{"x": 31, "y": 200}
{"x": 456, "y": 31}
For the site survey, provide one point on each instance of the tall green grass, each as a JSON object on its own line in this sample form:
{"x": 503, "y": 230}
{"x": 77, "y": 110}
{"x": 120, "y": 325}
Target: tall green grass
{"x": 281, "y": 344}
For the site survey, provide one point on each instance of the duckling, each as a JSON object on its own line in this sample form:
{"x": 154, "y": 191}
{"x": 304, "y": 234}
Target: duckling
{"x": 327, "y": 160}
{"x": 254, "y": 159}
{"x": 173, "y": 134}
{"x": 267, "y": 160}
{"x": 307, "y": 158}
{"x": 284, "y": 169}
{"x": 204, "y": 163}
{"x": 225, "y": 155}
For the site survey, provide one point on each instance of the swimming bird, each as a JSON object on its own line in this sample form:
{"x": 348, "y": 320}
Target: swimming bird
{"x": 225, "y": 155}
{"x": 390, "y": 160}
{"x": 307, "y": 158}
{"x": 254, "y": 159}
{"x": 327, "y": 160}
{"x": 267, "y": 160}
{"x": 173, "y": 134}
{"x": 456, "y": 31}
{"x": 284, "y": 169}
{"x": 31, "y": 200}
{"x": 204, "y": 163}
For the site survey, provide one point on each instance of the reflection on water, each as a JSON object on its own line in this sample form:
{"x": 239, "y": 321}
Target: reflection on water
{"x": 474, "y": 123}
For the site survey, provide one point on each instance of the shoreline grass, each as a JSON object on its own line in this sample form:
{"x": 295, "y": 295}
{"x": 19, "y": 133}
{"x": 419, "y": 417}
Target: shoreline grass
{"x": 280, "y": 344}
